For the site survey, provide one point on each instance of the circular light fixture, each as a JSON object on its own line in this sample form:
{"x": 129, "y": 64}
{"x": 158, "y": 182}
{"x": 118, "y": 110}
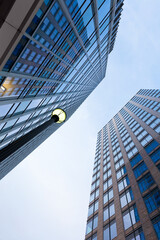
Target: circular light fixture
{"x": 58, "y": 115}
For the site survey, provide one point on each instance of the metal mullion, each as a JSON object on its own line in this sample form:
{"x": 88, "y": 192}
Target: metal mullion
{"x": 68, "y": 17}
{"x": 32, "y": 110}
{"x": 21, "y": 132}
{"x": 32, "y": 119}
{"x": 111, "y": 24}
{"x": 97, "y": 29}
{"x": 11, "y": 74}
{"x": 75, "y": 104}
{"x": 47, "y": 49}
{"x": 15, "y": 100}
{"x": 62, "y": 32}
{"x": 34, "y": 32}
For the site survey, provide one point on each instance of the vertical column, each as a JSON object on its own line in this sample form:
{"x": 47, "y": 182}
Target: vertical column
{"x": 118, "y": 213}
{"x": 100, "y": 210}
{"x": 143, "y": 213}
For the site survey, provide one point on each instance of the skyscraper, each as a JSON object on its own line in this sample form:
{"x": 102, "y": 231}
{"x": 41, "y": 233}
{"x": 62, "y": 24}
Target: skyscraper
{"x": 53, "y": 54}
{"x": 125, "y": 190}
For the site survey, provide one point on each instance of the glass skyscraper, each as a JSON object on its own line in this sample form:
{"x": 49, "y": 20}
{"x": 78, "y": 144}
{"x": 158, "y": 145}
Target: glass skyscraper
{"x": 58, "y": 55}
{"x": 125, "y": 190}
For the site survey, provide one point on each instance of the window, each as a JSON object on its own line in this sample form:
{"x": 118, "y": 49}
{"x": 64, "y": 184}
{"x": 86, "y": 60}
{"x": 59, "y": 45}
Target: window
{"x": 145, "y": 182}
{"x": 132, "y": 152}
{"x": 155, "y": 156}
{"x": 142, "y": 135}
{"x": 96, "y": 169}
{"x": 126, "y": 197}
{"x": 121, "y": 172}
{"x": 107, "y": 166}
{"x": 4, "y": 109}
{"x": 107, "y": 174}
{"x": 130, "y": 217}
{"x": 108, "y": 211}
{"x": 94, "y": 237}
{"x": 110, "y": 231}
{"x": 92, "y": 224}
{"x": 141, "y": 168}
{"x": 107, "y": 184}
{"x": 94, "y": 195}
{"x": 150, "y": 147}
{"x": 129, "y": 146}
{"x": 93, "y": 208}
{"x": 123, "y": 183}
{"x": 146, "y": 140}
{"x": 119, "y": 163}
{"x": 156, "y": 225}
{"x": 96, "y": 176}
{"x": 108, "y": 196}
{"x": 117, "y": 157}
{"x": 152, "y": 200}
{"x": 158, "y": 166}
{"x": 135, "y": 160}
{"x": 136, "y": 235}
{"x": 157, "y": 129}
{"x": 95, "y": 185}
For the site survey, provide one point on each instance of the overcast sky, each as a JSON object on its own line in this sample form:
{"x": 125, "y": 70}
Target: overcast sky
{"x": 46, "y": 196}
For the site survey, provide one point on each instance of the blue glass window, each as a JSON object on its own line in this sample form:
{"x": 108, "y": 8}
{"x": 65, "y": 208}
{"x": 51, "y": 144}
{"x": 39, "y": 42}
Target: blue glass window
{"x": 108, "y": 211}
{"x": 155, "y": 156}
{"x": 150, "y": 147}
{"x": 4, "y": 109}
{"x": 156, "y": 225}
{"x": 39, "y": 13}
{"x": 92, "y": 224}
{"x": 141, "y": 168}
{"x": 46, "y": 2}
{"x": 126, "y": 197}
{"x": 54, "y": 8}
{"x": 121, "y": 172}
{"x": 138, "y": 234}
{"x": 58, "y": 15}
{"x": 145, "y": 182}
{"x": 10, "y": 124}
{"x": 102, "y": 12}
{"x": 123, "y": 183}
{"x": 130, "y": 217}
{"x": 93, "y": 208}
{"x": 152, "y": 200}
{"x": 158, "y": 166}
{"x": 135, "y": 160}
{"x": 110, "y": 231}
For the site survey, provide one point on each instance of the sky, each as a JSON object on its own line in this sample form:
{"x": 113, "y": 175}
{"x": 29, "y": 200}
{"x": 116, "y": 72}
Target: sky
{"x": 46, "y": 196}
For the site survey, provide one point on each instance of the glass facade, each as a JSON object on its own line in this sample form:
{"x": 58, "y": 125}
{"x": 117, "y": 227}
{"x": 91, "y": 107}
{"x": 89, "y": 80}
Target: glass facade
{"x": 127, "y": 163}
{"x": 58, "y": 62}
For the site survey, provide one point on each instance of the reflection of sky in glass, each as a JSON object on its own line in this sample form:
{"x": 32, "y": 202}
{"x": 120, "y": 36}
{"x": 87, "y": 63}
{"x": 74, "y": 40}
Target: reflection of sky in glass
{"x": 4, "y": 109}
{"x": 34, "y": 60}
{"x": 103, "y": 10}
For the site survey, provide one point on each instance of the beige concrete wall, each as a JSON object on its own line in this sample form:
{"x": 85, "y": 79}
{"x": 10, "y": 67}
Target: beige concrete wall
{"x": 16, "y": 22}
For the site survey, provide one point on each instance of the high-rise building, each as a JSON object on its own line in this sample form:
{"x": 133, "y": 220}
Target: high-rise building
{"x": 125, "y": 190}
{"x": 53, "y": 53}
